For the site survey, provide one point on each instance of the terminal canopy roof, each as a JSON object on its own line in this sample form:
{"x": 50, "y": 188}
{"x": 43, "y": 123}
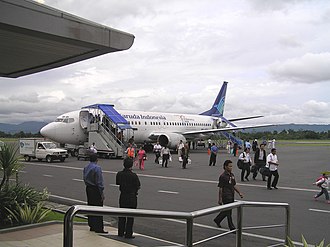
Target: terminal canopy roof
{"x": 111, "y": 113}
{"x": 36, "y": 37}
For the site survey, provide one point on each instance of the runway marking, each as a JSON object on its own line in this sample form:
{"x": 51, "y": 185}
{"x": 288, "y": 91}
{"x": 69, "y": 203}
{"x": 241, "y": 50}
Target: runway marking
{"x": 319, "y": 210}
{"x": 177, "y": 178}
{"x": 195, "y": 224}
{"x": 243, "y": 233}
{"x": 78, "y": 180}
{"x": 47, "y": 175}
{"x": 168, "y": 192}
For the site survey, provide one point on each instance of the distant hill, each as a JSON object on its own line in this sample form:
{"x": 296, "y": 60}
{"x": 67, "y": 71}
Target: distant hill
{"x": 295, "y": 127}
{"x": 27, "y": 127}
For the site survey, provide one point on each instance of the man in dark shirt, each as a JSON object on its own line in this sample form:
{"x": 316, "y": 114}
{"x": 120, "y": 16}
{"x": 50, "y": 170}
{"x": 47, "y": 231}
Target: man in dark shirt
{"x": 227, "y": 187}
{"x": 129, "y": 184}
{"x": 93, "y": 179}
{"x": 260, "y": 161}
{"x": 213, "y": 156}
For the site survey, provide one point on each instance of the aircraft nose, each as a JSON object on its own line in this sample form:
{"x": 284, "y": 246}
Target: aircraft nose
{"x": 48, "y": 131}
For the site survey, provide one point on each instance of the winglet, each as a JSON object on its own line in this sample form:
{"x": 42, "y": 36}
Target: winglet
{"x": 219, "y": 103}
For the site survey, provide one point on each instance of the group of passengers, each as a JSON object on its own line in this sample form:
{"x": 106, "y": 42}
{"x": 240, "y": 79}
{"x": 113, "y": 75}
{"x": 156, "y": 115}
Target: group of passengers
{"x": 163, "y": 154}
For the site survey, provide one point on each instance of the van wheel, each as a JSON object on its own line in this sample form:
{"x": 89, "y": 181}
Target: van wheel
{"x": 49, "y": 159}
{"x": 27, "y": 158}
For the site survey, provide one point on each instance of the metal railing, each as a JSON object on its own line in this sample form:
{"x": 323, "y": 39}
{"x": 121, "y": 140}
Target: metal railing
{"x": 187, "y": 216}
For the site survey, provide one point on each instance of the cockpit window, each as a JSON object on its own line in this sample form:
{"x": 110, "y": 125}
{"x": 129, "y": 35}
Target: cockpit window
{"x": 68, "y": 120}
{"x": 65, "y": 119}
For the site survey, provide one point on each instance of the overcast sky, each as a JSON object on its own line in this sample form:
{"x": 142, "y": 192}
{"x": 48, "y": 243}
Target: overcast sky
{"x": 274, "y": 54}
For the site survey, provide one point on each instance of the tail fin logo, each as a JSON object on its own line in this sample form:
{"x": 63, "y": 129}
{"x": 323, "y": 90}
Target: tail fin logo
{"x": 220, "y": 106}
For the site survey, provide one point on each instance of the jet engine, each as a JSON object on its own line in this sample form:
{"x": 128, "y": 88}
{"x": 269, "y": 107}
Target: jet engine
{"x": 170, "y": 140}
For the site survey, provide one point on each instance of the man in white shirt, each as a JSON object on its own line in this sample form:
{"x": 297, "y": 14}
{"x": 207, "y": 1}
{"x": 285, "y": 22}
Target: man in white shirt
{"x": 157, "y": 149}
{"x": 272, "y": 163}
{"x": 93, "y": 148}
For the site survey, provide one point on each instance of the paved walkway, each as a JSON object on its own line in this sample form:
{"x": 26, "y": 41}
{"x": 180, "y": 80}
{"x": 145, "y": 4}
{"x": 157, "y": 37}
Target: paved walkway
{"x": 50, "y": 234}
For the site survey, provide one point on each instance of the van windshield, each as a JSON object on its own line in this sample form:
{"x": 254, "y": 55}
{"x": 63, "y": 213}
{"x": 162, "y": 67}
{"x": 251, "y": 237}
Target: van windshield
{"x": 49, "y": 145}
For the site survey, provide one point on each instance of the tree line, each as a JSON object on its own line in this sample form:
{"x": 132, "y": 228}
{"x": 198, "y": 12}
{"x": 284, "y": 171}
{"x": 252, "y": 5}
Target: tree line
{"x": 20, "y": 134}
{"x": 286, "y": 135}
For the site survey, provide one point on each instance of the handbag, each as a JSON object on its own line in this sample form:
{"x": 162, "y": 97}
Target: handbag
{"x": 180, "y": 159}
{"x": 240, "y": 164}
{"x": 265, "y": 171}
{"x": 254, "y": 168}
{"x": 189, "y": 161}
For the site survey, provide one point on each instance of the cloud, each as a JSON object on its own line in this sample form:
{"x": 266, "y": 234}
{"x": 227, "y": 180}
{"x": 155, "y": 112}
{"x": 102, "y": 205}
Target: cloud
{"x": 310, "y": 68}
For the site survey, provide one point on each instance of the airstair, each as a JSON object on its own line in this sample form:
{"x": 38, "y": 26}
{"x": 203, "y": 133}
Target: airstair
{"x": 232, "y": 138}
{"x": 108, "y": 130}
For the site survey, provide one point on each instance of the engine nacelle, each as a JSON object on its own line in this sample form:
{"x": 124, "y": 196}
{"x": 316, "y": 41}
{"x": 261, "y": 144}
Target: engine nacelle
{"x": 170, "y": 140}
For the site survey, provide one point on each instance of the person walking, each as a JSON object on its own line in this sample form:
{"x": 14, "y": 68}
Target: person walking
{"x": 93, "y": 179}
{"x": 179, "y": 148}
{"x": 259, "y": 161}
{"x": 165, "y": 154}
{"x": 157, "y": 149}
{"x": 272, "y": 163}
{"x": 247, "y": 161}
{"x": 93, "y": 148}
{"x": 235, "y": 148}
{"x": 129, "y": 184}
{"x": 184, "y": 156}
{"x": 130, "y": 151}
{"x": 213, "y": 156}
{"x": 322, "y": 182}
{"x": 227, "y": 187}
{"x": 142, "y": 156}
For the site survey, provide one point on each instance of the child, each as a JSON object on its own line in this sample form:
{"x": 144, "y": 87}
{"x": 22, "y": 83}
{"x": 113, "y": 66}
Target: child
{"x": 322, "y": 182}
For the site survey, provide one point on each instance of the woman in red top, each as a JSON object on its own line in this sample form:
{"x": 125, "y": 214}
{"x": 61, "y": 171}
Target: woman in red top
{"x": 142, "y": 156}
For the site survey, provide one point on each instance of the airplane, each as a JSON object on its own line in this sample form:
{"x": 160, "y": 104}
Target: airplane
{"x": 149, "y": 127}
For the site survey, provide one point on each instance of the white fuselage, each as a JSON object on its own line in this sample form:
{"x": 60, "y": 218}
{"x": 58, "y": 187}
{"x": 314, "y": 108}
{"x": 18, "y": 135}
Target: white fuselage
{"x": 68, "y": 127}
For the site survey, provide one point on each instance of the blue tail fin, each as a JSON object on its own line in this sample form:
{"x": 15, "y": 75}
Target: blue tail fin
{"x": 219, "y": 103}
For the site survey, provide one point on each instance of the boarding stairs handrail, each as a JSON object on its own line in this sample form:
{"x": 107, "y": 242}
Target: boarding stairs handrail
{"x": 188, "y": 216}
{"x": 232, "y": 138}
{"x": 115, "y": 144}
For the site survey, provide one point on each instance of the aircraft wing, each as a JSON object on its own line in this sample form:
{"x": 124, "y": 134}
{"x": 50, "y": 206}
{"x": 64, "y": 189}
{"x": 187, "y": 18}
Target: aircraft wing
{"x": 225, "y": 129}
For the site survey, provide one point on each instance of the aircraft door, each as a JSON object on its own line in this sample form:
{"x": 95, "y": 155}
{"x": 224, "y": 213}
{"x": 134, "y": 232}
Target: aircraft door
{"x": 83, "y": 119}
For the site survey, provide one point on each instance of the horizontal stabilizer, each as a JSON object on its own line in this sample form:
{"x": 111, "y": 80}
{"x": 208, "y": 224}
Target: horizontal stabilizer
{"x": 243, "y": 118}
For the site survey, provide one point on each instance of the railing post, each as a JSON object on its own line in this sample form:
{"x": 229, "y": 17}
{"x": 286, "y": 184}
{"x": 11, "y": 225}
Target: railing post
{"x": 68, "y": 228}
{"x": 287, "y": 224}
{"x": 239, "y": 226}
{"x": 189, "y": 233}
